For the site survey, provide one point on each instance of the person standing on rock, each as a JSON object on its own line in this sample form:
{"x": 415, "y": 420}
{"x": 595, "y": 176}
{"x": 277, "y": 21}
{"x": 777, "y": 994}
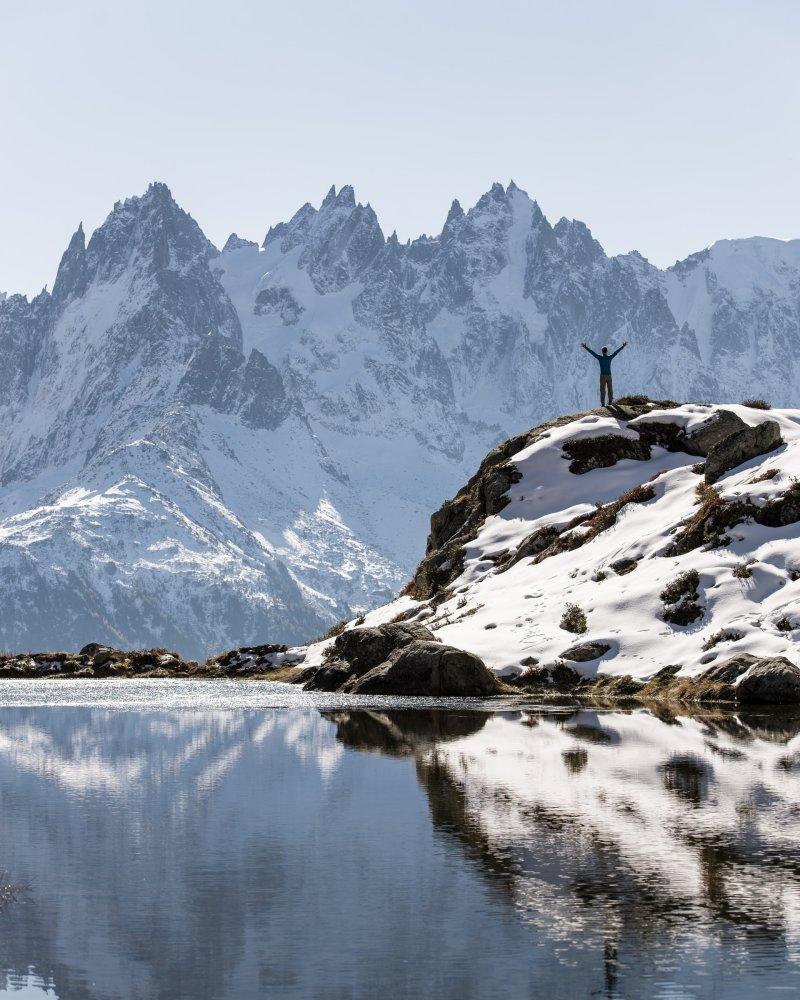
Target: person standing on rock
{"x": 605, "y": 359}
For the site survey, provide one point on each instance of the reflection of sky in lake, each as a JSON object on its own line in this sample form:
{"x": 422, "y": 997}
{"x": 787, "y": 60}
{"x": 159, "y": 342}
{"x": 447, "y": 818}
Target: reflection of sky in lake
{"x": 245, "y": 852}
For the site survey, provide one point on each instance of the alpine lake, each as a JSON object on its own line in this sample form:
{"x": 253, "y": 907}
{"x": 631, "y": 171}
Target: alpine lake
{"x": 223, "y": 839}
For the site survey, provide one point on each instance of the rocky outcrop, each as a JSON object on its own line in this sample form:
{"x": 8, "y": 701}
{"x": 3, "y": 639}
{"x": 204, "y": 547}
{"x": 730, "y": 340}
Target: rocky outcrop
{"x": 772, "y": 680}
{"x": 219, "y": 376}
{"x": 429, "y": 668}
{"x": 700, "y": 440}
{"x": 458, "y": 521}
{"x": 603, "y": 451}
{"x": 740, "y": 447}
{"x": 399, "y": 659}
{"x": 586, "y": 651}
{"x": 724, "y": 440}
{"x": 356, "y": 651}
{"x": 249, "y": 660}
{"x": 743, "y": 679}
{"x": 96, "y": 660}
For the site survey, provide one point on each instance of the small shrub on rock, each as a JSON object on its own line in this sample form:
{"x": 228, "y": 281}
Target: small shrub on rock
{"x": 685, "y": 584}
{"x": 623, "y": 566}
{"x": 765, "y": 475}
{"x": 574, "y": 619}
{"x": 743, "y": 571}
{"x": 757, "y": 404}
{"x": 724, "y": 635}
{"x": 707, "y": 495}
{"x": 680, "y": 598}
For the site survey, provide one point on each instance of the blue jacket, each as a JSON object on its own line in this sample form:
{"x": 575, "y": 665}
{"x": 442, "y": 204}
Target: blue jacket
{"x": 605, "y": 360}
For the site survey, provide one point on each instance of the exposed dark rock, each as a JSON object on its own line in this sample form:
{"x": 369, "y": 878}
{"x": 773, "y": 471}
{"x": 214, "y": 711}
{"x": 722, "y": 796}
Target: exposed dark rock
{"x": 458, "y": 520}
{"x": 729, "y": 670}
{"x": 585, "y": 651}
{"x": 219, "y": 376}
{"x": 365, "y": 647}
{"x": 773, "y": 680}
{"x": 603, "y": 451}
{"x": 706, "y": 436}
{"x": 740, "y": 447}
{"x": 329, "y": 677}
{"x": 429, "y": 668}
{"x": 538, "y": 541}
{"x": 401, "y": 658}
{"x": 724, "y": 440}
{"x": 766, "y": 680}
{"x": 236, "y": 242}
{"x": 356, "y": 651}
{"x": 281, "y": 302}
{"x": 96, "y": 660}
{"x": 248, "y": 660}
{"x": 719, "y": 425}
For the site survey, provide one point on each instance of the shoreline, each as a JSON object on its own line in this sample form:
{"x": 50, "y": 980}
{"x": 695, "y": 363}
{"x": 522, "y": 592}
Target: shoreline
{"x": 676, "y": 696}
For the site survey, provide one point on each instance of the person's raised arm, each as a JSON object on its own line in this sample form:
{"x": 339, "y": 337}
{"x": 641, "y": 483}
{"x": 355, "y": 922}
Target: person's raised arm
{"x": 624, "y": 344}
{"x": 587, "y": 348}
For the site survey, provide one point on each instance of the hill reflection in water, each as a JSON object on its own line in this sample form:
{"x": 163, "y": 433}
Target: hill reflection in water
{"x": 251, "y": 852}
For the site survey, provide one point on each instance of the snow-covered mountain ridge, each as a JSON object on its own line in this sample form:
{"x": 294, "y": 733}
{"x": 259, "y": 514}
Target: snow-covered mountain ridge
{"x": 207, "y": 448}
{"x": 599, "y": 541}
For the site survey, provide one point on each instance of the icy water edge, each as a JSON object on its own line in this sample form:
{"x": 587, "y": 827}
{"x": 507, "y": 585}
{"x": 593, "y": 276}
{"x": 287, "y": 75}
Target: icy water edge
{"x": 179, "y": 839}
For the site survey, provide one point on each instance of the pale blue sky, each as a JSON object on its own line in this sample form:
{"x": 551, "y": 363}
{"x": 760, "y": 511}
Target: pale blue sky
{"x": 663, "y": 126}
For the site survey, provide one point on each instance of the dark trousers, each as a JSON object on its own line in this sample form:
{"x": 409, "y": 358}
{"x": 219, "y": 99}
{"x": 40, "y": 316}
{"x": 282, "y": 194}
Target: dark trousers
{"x": 606, "y": 383}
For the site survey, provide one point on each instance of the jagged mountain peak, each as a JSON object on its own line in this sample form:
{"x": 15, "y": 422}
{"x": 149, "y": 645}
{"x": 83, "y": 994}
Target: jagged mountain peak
{"x": 345, "y": 198}
{"x": 236, "y": 242}
{"x": 577, "y": 241}
{"x": 149, "y": 232}
{"x": 72, "y": 274}
{"x": 456, "y": 212}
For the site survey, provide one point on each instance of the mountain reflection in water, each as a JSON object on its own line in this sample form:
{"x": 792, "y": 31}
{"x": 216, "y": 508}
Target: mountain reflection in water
{"x": 351, "y": 853}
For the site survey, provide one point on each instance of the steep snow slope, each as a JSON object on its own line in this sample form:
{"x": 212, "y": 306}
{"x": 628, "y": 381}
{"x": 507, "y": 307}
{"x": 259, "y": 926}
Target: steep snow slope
{"x": 204, "y": 448}
{"x": 614, "y": 562}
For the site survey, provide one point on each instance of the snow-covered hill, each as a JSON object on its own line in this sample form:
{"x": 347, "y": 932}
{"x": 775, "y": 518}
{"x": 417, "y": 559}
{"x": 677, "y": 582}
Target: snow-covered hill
{"x": 206, "y": 448}
{"x": 621, "y": 543}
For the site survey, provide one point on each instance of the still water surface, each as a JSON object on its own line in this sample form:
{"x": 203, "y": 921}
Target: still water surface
{"x": 228, "y": 840}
